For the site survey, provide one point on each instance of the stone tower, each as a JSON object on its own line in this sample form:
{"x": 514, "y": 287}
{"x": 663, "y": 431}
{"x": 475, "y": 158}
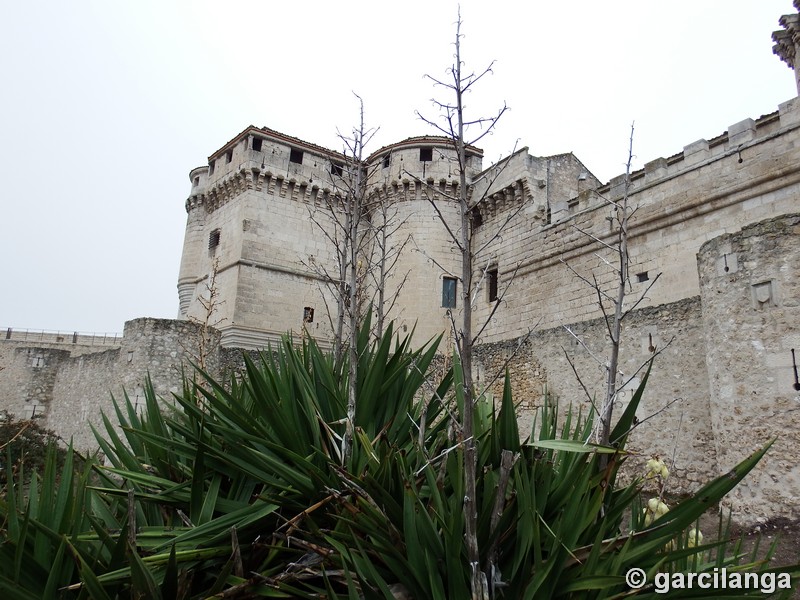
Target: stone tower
{"x": 415, "y": 183}
{"x": 260, "y": 223}
{"x": 250, "y": 226}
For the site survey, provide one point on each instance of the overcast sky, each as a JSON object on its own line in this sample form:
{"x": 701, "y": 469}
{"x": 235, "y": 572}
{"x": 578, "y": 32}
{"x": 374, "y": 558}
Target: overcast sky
{"x": 106, "y": 106}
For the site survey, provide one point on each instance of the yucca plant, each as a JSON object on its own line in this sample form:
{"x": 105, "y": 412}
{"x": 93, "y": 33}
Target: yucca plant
{"x": 240, "y": 490}
{"x": 552, "y": 525}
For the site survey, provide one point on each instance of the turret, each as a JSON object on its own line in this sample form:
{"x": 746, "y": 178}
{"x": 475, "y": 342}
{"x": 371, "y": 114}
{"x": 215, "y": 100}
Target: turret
{"x": 406, "y": 180}
{"x": 431, "y": 160}
{"x": 194, "y": 242}
{"x": 787, "y": 42}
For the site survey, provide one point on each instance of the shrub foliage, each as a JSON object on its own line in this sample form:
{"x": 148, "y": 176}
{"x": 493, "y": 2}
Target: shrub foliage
{"x": 24, "y": 445}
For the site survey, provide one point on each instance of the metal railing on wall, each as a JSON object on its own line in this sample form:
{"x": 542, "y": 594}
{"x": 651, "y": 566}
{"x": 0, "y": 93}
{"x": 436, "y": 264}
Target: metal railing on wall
{"x": 46, "y": 336}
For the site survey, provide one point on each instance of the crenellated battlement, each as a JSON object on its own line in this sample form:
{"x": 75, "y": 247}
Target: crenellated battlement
{"x": 556, "y": 194}
{"x": 264, "y": 159}
{"x": 252, "y": 178}
{"x": 72, "y": 338}
{"x": 740, "y": 140}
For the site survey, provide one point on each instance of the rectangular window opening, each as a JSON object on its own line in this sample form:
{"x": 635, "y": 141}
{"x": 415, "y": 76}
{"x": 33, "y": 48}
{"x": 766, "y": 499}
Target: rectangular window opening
{"x": 336, "y": 169}
{"x": 308, "y": 314}
{"x": 257, "y": 144}
{"x": 213, "y": 240}
{"x": 228, "y": 156}
{"x": 211, "y": 168}
{"x": 449, "y": 292}
{"x": 425, "y": 154}
{"x": 196, "y": 181}
{"x": 491, "y": 283}
{"x": 386, "y": 161}
{"x": 642, "y": 277}
{"x": 296, "y": 156}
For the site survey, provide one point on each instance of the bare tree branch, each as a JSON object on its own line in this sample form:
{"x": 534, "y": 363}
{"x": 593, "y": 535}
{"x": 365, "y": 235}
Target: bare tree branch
{"x": 641, "y": 297}
{"x": 579, "y": 378}
{"x": 580, "y": 341}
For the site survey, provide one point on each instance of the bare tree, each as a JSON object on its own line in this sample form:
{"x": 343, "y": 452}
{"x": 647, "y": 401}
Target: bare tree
{"x": 346, "y": 225}
{"x": 453, "y": 123}
{"x": 207, "y": 343}
{"x": 355, "y": 183}
{"x": 363, "y": 231}
{"x": 612, "y": 303}
{"x": 336, "y": 214}
{"x": 333, "y": 223}
{"x": 383, "y": 259}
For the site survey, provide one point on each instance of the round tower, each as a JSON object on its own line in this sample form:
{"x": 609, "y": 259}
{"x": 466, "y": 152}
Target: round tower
{"x": 194, "y": 243}
{"x": 413, "y": 195}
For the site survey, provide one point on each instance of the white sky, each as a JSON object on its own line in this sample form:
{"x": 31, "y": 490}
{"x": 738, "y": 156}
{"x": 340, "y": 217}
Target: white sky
{"x": 105, "y": 107}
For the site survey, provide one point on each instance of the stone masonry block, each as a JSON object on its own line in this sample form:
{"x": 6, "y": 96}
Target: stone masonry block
{"x": 655, "y": 169}
{"x": 695, "y": 152}
{"x": 789, "y": 112}
{"x": 741, "y": 132}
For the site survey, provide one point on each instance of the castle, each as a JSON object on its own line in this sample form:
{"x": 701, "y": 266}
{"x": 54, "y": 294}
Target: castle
{"x": 718, "y": 224}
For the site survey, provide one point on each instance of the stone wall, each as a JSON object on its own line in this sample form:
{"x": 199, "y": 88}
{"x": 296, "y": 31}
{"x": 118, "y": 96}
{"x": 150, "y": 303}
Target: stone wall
{"x": 674, "y": 414}
{"x": 67, "y": 386}
{"x": 28, "y": 376}
{"x": 750, "y": 289}
{"x": 746, "y": 175}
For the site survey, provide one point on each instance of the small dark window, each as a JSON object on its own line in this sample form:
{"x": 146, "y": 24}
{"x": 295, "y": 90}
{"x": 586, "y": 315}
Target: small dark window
{"x": 386, "y": 161}
{"x": 491, "y": 283}
{"x": 476, "y": 217}
{"x": 229, "y": 156}
{"x": 448, "y": 292}
{"x": 211, "y": 168}
{"x": 213, "y": 240}
{"x": 425, "y": 154}
{"x": 257, "y": 144}
{"x": 196, "y": 181}
{"x": 336, "y": 169}
{"x": 308, "y": 315}
{"x": 296, "y": 156}
{"x": 641, "y": 277}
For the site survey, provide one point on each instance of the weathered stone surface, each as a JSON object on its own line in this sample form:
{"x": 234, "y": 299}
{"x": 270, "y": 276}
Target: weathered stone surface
{"x": 677, "y": 392}
{"x": 68, "y": 385}
{"x": 751, "y": 322}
